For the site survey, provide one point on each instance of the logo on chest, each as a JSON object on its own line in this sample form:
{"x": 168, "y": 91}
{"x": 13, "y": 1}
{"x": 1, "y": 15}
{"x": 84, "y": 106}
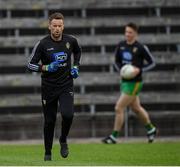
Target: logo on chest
{"x": 59, "y": 56}
{"x": 127, "y": 56}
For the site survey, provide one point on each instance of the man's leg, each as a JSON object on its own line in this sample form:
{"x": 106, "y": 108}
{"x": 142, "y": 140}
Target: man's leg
{"x": 121, "y": 104}
{"x": 50, "y": 111}
{"x": 66, "y": 108}
{"x": 144, "y": 117}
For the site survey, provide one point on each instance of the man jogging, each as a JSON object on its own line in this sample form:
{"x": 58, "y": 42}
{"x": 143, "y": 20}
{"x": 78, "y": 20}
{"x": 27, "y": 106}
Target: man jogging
{"x": 54, "y": 51}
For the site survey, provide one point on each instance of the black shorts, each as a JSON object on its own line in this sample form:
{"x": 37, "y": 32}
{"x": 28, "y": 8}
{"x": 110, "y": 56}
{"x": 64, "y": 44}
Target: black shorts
{"x": 63, "y": 101}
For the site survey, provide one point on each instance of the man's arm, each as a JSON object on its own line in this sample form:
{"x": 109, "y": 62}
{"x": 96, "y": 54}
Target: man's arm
{"x": 118, "y": 60}
{"x": 150, "y": 62}
{"x": 77, "y": 57}
{"x": 35, "y": 58}
{"x": 77, "y": 53}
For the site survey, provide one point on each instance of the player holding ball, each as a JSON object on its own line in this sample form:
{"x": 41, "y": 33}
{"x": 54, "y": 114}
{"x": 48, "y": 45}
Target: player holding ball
{"x": 138, "y": 59}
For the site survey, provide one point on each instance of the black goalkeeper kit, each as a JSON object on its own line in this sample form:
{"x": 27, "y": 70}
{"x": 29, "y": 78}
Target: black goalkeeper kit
{"x": 57, "y": 87}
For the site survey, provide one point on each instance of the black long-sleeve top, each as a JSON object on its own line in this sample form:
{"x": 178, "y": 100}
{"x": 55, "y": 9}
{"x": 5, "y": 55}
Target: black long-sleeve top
{"x": 46, "y": 51}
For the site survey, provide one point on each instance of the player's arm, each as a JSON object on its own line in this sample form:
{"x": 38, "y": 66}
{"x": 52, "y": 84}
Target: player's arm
{"x": 76, "y": 60}
{"x": 118, "y": 60}
{"x": 33, "y": 62}
{"x": 77, "y": 53}
{"x": 149, "y": 59}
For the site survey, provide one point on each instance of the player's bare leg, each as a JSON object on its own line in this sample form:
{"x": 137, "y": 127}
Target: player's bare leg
{"x": 121, "y": 104}
{"x": 140, "y": 111}
{"x": 144, "y": 117}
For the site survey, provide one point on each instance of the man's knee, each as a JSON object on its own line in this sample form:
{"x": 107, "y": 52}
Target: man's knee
{"x": 118, "y": 109}
{"x": 67, "y": 115}
{"x": 137, "y": 109}
{"x": 49, "y": 122}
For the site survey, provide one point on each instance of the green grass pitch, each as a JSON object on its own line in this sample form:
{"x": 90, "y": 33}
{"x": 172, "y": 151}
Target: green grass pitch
{"x": 131, "y": 154}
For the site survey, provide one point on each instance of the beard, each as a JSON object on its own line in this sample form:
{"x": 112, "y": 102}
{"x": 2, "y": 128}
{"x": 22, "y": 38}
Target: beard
{"x": 56, "y": 35}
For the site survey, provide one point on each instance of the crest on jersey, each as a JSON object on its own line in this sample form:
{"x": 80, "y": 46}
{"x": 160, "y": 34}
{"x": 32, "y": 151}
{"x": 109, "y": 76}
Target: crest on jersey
{"x": 44, "y": 102}
{"x": 71, "y": 93}
{"x": 67, "y": 45}
{"x": 135, "y": 49}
